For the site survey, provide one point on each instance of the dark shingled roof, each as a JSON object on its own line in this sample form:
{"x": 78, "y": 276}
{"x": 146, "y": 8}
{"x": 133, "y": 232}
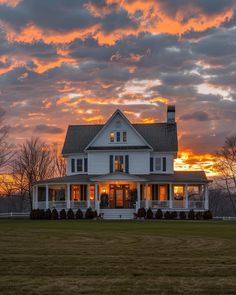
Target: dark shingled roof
{"x": 177, "y": 177}
{"x": 161, "y": 136}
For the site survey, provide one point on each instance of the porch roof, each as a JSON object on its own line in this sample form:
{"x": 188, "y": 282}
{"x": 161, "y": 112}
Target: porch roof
{"x": 190, "y": 177}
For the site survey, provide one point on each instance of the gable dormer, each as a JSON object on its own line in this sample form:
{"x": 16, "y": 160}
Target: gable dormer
{"x": 119, "y": 133}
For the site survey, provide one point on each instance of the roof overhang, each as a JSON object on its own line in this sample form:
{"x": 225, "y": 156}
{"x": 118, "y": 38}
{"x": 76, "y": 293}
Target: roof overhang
{"x": 118, "y": 176}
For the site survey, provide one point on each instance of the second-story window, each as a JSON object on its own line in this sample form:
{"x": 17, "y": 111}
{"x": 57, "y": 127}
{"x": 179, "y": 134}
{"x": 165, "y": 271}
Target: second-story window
{"x": 112, "y": 137}
{"x": 119, "y": 163}
{"x": 157, "y": 164}
{"x": 79, "y": 165}
{"x": 124, "y": 136}
{"x": 118, "y": 136}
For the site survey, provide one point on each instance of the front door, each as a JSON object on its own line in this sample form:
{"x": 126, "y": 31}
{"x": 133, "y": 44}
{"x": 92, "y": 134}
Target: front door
{"x": 119, "y": 198}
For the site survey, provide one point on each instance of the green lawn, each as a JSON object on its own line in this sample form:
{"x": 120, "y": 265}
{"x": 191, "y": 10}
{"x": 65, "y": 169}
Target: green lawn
{"x": 117, "y": 257}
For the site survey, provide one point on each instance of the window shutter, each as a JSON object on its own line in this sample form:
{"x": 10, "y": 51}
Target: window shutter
{"x": 85, "y": 165}
{"x": 151, "y": 164}
{"x": 127, "y": 163}
{"x": 72, "y": 165}
{"x": 111, "y": 163}
{"x": 164, "y": 164}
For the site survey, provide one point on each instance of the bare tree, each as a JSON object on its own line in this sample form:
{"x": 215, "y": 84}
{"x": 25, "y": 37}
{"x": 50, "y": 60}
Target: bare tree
{"x": 32, "y": 163}
{"x": 226, "y": 165}
{"x": 58, "y": 162}
{"x": 5, "y": 148}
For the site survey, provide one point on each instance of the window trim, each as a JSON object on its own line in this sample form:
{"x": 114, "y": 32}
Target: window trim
{"x": 74, "y": 165}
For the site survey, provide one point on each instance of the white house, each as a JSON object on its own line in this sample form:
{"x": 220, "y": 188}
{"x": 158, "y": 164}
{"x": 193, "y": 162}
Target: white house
{"x": 119, "y": 167}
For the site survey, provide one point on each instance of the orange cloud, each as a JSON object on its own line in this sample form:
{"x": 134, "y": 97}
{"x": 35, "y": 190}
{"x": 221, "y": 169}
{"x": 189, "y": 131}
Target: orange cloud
{"x": 12, "y": 3}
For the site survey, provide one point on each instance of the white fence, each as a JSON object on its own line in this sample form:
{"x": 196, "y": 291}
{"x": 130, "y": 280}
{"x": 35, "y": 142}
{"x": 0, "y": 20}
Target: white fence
{"x": 14, "y": 214}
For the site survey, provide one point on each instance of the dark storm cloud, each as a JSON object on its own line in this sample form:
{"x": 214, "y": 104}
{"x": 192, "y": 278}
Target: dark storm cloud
{"x": 133, "y": 65}
{"x": 43, "y": 128}
{"x": 198, "y": 116}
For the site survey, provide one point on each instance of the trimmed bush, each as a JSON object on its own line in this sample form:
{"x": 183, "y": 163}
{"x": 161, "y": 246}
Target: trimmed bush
{"x": 149, "y": 214}
{"x": 141, "y": 213}
{"x": 48, "y": 214}
{"x": 191, "y": 215}
{"x": 79, "y": 214}
{"x": 159, "y": 214}
{"x": 70, "y": 214}
{"x": 207, "y": 215}
{"x": 167, "y": 215}
{"x": 63, "y": 214}
{"x": 198, "y": 216}
{"x": 89, "y": 214}
{"x": 33, "y": 214}
{"x": 173, "y": 215}
{"x": 54, "y": 214}
{"x": 182, "y": 215}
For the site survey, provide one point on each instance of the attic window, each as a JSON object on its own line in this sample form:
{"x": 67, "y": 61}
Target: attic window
{"x": 112, "y": 137}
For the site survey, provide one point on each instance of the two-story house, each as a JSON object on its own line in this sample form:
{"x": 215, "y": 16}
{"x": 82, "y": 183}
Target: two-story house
{"x": 119, "y": 167}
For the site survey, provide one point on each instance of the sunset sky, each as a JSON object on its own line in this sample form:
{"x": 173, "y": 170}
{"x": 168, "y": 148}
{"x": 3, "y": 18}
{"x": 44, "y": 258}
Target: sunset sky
{"x": 75, "y": 62}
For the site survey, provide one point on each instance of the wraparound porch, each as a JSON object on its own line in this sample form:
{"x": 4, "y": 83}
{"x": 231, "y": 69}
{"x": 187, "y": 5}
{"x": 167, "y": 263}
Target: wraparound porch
{"x": 103, "y": 195}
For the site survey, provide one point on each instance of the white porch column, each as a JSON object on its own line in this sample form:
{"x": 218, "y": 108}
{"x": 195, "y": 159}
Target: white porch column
{"x": 97, "y": 206}
{"x": 186, "y": 195}
{"x": 206, "y": 203}
{"x": 170, "y": 196}
{"x": 36, "y": 198}
{"x": 138, "y": 196}
{"x": 46, "y": 204}
{"x": 146, "y": 200}
{"x": 68, "y": 196}
{"x": 88, "y": 195}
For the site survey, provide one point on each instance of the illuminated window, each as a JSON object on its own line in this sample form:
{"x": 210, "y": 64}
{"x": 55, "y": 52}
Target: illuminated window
{"x": 112, "y": 137}
{"x": 119, "y": 163}
{"x": 124, "y": 136}
{"x": 178, "y": 191}
{"x": 79, "y": 192}
{"x": 163, "y": 193}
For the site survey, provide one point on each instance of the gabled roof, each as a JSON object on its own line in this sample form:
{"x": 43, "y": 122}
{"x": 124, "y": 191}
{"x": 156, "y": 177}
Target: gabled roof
{"x": 118, "y": 112}
{"x": 162, "y": 137}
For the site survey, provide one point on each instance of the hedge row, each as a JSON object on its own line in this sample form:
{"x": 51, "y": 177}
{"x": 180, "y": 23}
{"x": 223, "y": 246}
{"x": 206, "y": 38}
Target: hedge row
{"x": 54, "y": 214}
{"x": 191, "y": 215}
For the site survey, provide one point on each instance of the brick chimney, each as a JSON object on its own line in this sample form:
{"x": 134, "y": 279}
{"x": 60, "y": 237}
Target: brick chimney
{"x": 170, "y": 114}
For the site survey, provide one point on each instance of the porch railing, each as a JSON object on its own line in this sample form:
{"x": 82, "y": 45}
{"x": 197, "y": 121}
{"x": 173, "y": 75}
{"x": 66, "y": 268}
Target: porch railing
{"x": 159, "y": 204}
{"x": 57, "y": 205}
{"x": 79, "y": 205}
{"x": 198, "y": 205}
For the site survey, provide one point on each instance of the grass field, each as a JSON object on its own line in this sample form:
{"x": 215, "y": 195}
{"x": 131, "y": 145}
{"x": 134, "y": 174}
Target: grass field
{"x": 109, "y": 257}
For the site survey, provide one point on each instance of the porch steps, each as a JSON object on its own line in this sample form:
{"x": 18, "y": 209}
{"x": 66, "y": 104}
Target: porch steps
{"x": 118, "y": 214}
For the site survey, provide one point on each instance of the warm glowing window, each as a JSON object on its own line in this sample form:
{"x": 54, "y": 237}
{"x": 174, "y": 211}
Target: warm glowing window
{"x": 79, "y": 192}
{"x": 92, "y": 192}
{"x": 163, "y": 193}
{"x": 178, "y": 191}
{"x": 112, "y": 137}
{"x": 119, "y": 163}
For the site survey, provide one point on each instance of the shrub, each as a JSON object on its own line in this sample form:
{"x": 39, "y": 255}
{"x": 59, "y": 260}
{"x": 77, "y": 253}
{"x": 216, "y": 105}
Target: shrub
{"x": 191, "y": 215}
{"x": 198, "y": 215}
{"x": 159, "y": 214}
{"x": 70, "y": 214}
{"x": 95, "y": 214}
{"x": 48, "y": 214}
{"x": 63, "y": 214}
{"x": 207, "y": 215}
{"x": 182, "y": 215}
{"x": 167, "y": 215}
{"x": 149, "y": 214}
{"x": 141, "y": 213}
{"x": 79, "y": 214}
{"x": 33, "y": 214}
{"x": 54, "y": 214}
{"x": 89, "y": 214}
{"x": 173, "y": 215}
